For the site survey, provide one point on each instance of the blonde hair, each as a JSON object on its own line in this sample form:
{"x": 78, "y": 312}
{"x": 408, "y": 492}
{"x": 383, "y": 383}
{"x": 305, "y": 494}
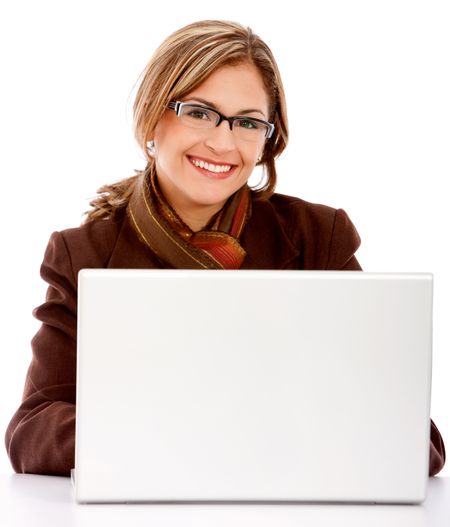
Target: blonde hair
{"x": 180, "y": 64}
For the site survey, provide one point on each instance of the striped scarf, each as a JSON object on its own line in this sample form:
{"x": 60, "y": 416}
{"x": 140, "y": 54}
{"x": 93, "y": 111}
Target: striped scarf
{"x": 175, "y": 244}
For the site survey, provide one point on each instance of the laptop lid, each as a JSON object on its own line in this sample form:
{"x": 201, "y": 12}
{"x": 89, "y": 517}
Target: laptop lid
{"x": 253, "y": 385}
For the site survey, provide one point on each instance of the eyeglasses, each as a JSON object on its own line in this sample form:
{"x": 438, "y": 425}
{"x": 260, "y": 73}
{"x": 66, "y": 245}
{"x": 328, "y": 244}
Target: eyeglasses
{"x": 202, "y": 117}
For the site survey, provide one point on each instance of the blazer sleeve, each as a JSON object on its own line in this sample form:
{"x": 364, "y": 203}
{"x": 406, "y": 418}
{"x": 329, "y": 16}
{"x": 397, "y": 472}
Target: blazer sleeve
{"x": 437, "y": 451}
{"x": 40, "y": 438}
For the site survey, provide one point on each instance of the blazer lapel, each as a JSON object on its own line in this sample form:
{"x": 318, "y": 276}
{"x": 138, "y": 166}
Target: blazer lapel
{"x": 266, "y": 242}
{"x": 130, "y": 252}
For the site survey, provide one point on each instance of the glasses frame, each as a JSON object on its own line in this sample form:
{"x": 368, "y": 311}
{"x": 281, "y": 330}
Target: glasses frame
{"x": 178, "y": 105}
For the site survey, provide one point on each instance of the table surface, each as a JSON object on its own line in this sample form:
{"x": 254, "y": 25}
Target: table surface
{"x": 49, "y": 501}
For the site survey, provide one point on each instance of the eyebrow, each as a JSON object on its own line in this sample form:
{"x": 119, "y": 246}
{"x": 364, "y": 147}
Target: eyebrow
{"x": 214, "y": 107}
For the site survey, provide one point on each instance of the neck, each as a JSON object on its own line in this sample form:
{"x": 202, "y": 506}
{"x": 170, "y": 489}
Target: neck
{"x": 197, "y": 219}
{"x": 195, "y": 216}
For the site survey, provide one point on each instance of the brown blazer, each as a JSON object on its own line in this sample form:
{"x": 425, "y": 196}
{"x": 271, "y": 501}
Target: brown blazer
{"x": 282, "y": 233}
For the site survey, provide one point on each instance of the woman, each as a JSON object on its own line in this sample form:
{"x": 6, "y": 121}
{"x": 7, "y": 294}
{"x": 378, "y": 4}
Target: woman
{"x": 210, "y": 107}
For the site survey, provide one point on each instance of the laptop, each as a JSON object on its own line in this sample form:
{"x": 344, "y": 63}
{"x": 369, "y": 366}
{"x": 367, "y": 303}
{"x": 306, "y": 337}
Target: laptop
{"x": 253, "y": 386}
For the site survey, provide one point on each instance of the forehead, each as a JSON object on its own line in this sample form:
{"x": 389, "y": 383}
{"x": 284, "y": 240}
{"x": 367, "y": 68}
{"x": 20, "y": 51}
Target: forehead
{"x": 233, "y": 89}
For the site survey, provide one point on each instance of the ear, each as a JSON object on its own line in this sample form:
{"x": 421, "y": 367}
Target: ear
{"x": 151, "y": 148}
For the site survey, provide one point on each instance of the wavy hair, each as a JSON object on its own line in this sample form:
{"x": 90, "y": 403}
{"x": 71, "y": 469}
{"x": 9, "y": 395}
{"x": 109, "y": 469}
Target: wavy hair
{"x": 181, "y": 63}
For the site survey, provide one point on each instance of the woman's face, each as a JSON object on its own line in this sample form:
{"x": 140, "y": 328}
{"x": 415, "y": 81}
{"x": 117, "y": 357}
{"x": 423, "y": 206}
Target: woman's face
{"x": 195, "y": 192}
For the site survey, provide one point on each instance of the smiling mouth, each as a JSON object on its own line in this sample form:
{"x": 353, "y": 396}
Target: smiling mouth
{"x": 211, "y": 167}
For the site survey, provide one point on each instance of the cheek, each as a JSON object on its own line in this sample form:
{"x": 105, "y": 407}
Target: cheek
{"x": 166, "y": 134}
{"x": 251, "y": 154}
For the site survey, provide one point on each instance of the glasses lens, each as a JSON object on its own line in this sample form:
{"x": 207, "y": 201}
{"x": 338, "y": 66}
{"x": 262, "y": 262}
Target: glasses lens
{"x": 198, "y": 116}
{"x": 250, "y": 129}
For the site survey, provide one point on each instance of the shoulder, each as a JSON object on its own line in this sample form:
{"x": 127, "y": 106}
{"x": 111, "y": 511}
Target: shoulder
{"x": 324, "y": 236}
{"x": 297, "y": 214}
{"x": 292, "y": 205}
{"x": 89, "y": 245}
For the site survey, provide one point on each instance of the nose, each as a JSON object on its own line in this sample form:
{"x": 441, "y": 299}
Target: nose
{"x": 221, "y": 138}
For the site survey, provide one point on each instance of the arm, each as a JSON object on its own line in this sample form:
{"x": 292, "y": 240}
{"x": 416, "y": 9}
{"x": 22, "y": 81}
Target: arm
{"x": 437, "y": 451}
{"x": 344, "y": 243}
{"x": 41, "y": 435}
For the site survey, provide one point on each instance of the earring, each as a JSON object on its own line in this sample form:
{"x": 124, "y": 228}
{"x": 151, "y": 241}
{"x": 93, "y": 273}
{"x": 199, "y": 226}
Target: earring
{"x": 151, "y": 148}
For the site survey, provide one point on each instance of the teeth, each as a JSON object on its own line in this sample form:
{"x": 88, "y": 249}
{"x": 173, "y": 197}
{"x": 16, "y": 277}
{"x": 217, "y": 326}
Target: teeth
{"x": 210, "y": 166}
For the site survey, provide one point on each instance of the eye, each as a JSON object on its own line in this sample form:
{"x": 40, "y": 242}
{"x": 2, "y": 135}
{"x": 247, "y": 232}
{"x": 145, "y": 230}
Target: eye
{"x": 248, "y": 124}
{"x": 198, "y": 113}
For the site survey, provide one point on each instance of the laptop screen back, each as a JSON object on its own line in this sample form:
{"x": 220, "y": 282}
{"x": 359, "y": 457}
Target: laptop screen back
{"x": 253, "y": 385}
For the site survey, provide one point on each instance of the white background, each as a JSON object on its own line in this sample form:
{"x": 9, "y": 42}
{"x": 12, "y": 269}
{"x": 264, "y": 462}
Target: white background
{"x": 367, "y": 85}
